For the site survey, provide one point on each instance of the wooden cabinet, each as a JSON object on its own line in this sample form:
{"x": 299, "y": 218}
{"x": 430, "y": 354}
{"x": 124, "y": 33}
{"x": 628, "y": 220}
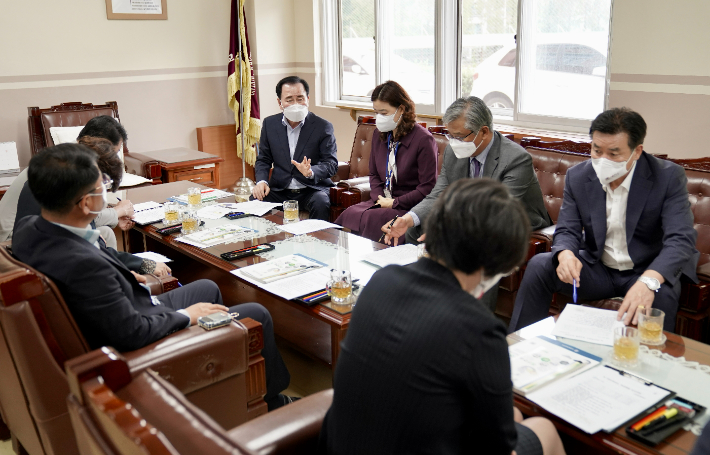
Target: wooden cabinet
{"x": 182, "y": 164}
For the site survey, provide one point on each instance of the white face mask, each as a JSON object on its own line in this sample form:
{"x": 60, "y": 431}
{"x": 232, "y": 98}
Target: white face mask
{"x": 607, "y": 171}
{"x": 386, "y": 123}
{"x": 104, "y": 197}
{"x": 296, "y": 112}
{"x": 464, "y": 149}
{"x": 486, "y": 284}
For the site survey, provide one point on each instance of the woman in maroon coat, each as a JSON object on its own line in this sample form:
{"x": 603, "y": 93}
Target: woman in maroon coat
{"x": 402, "y": 164}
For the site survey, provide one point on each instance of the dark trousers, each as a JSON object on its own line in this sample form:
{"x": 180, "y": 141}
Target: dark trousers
{"x": 277, "y": 375}
{"x": 597, "y": 282}
{"x": 317, "y": 202}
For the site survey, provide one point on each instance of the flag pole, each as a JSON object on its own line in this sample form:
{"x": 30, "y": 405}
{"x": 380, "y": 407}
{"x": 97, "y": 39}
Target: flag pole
{"x": 243, "y": 186}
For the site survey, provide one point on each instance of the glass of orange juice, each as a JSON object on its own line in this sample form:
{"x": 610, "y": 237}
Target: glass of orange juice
{"x": 626, "y": 346}
{"x": 651, "y": 326}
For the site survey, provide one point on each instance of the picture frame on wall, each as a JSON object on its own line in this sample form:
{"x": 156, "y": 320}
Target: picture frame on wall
{"x": 137, "y": 9}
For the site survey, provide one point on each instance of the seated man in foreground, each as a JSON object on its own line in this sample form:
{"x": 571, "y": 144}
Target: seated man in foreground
{"x": 301, "y": 148}
{"x": 107, "y": 300}
{"x": 424, "y": 367}
{"x": 625, "y": 229}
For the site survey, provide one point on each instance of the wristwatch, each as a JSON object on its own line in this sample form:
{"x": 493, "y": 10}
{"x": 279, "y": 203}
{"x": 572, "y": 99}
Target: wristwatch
{"x": 652, "y": 283}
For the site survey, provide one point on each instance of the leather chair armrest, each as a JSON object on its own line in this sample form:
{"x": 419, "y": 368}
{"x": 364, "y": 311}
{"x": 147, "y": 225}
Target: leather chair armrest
{"x": 352, "y": 183}
{"x": 292, "y": 429}
{"x": 160, "y": 285}
{"x": 194, "y": 358}
{"x": 364, "y": 189}
{"x": 142, "y": 165}
{"x": 703, "y": 272}
{"x": 343, "y": 172}
{"x": 545, "y": 234}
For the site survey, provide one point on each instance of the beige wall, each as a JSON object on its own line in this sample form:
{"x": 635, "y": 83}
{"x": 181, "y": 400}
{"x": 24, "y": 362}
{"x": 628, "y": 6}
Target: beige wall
{"x": 660, "y": 67}
{"x": 168, "y": 77}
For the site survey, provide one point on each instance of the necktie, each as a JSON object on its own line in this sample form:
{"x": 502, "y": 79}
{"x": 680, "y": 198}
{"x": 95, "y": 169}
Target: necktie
{"x": 475, "y": 168}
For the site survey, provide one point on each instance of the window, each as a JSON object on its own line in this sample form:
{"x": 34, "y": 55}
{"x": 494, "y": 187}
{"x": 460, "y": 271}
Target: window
{"x": 532, "y": 61}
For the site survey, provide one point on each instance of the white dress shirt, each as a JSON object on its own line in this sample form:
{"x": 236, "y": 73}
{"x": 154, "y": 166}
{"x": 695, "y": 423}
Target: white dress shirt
{"x": 616, "y": 249}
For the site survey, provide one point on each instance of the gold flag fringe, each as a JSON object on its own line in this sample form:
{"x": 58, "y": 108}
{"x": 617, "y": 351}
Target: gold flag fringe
{"x": 252, "y": 126}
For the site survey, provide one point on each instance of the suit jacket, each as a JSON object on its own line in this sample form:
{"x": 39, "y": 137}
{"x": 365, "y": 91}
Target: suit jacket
{"x": 27, "y": 205}
{"x": 435, "y": 357}
{"x": 108, "y": 304}
{"x": 316, "y": 141}
{"x": 659, "y": 222}
{"x": 507, "y": 162}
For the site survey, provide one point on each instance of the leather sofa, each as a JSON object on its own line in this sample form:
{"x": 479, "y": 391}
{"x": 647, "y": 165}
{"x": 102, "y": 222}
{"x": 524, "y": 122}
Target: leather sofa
{"x": 39, "y": 122}
{"x": 221, "y": 371}
{"x": 115, "y": 411}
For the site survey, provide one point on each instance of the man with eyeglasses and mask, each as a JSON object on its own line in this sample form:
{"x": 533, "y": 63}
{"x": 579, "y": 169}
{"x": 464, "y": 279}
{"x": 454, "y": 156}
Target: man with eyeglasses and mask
{"x": 476, "y": 150}
{"x": 625, "y": 230}
{"x": 301, "y": 148}
{"x": 109, "y": 302}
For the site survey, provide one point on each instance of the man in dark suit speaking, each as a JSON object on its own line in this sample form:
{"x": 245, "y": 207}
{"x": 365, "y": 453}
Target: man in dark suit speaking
{"x": 108, "y": 301}
{"x": 301, "y": 147}
{"x": 625, "y": 229}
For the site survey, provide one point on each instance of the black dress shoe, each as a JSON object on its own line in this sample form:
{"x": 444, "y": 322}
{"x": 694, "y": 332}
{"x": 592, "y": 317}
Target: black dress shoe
{"x": 280, "y": 400}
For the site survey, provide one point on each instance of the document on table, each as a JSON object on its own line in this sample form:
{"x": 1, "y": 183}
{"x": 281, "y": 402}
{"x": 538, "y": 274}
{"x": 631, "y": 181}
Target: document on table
{"x": 208, "y": 194}
{"x": 157, "y": 257}
{"x": 213, "y": 212}
{"x": 398, "y": 255}
{"x": 308, "y": 226}
{"x": 602, "y": 398}
{"x": 293, "y": 285}
{"x": 592, "y": 325}
{"x": 258, "y": 208}
{"x": 148, "y": 212}
{"x": 132, "y": 180}
{"x": 216, "y": 235}
{"x": 9, "y": 161}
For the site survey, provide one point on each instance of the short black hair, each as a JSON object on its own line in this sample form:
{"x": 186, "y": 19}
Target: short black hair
{"x": 291, "y": 80}
{"x": 476, "y": 223}
{"x": 59, "y": 176}
{"x": 621, "y": 120}
{"x": 106, "y": 127}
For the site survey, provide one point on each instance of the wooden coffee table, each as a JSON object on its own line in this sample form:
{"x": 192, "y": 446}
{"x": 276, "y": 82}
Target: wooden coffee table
{"x": 679, "y": 443}
{"x": 316, "y": 331}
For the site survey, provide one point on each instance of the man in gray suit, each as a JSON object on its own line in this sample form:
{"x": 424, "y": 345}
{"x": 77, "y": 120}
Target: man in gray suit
{"x": 476, "y": 150}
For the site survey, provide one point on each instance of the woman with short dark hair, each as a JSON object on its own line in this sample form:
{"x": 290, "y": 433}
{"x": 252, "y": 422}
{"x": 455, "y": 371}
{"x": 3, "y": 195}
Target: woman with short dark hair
{"x": 424, "y": 367}
{"x": 402, "y": 163}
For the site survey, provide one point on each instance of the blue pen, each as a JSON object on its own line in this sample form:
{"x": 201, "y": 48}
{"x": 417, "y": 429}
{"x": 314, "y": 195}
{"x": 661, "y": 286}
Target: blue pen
{"x": 180, "y": 285}
{"x": 574, "y": 290}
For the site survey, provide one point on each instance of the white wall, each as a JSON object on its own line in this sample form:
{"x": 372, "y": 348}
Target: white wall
{"x": 168, "y": 77}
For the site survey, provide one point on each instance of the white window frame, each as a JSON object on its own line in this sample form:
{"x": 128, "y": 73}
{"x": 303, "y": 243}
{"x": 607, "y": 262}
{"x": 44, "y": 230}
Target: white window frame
{"x": 447, "y": 54}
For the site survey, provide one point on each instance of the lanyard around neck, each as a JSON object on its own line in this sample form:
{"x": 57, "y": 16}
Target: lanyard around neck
{"x": 388, "y": 175}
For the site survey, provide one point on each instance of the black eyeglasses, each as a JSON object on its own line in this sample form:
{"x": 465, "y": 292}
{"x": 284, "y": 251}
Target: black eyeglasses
{"x": 106, "y": 183}
{"x": 454, "y": 138}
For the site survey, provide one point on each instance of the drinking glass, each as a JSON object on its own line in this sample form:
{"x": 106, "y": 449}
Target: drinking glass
{"x": 340, "y": 286}
{"x": 194, "y": 196}
{"x": 172, "y": 213}
{"x": 190, "y": 221}
{"x": 651, "y": 326}
{"x": 290, "y": 211}
{"x": 626, "y": 346}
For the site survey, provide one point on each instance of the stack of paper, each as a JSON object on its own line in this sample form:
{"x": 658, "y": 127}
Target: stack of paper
{"x": 208, "y": 194}
{"x": 308, "y": 226}
{"x": 213, "y": 212}
{"x": 277, "y": 269}
{"x": 592, "y": 325}
{"x": 148, "y": 212}
{"x": 216, "y": 235}
{"x": 9, "y": 161}
{"x": 398, "y": 255}
{"x": 540, "y": 361}
{"x": 257, "y": 208}
{"x": 132, "y": 180}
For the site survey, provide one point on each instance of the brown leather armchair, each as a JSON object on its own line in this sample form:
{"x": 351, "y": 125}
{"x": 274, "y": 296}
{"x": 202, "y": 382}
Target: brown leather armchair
{"x": 116, "y": 412}
{"x": 220, "y": 371}
{"x": 39, "y": 121}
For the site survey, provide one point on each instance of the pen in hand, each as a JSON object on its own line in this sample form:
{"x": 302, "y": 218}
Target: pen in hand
{"x": 574, "y": 290}
{"x": 391, "y": 224}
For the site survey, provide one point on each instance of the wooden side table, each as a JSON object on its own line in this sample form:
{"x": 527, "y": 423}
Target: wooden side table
{"x": 183, "y": 164}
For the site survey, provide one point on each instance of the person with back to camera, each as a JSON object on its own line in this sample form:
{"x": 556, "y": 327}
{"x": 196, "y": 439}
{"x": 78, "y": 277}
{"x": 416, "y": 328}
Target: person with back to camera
{"x": 424, "y": 367}
{"x": 402, "y": 164}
